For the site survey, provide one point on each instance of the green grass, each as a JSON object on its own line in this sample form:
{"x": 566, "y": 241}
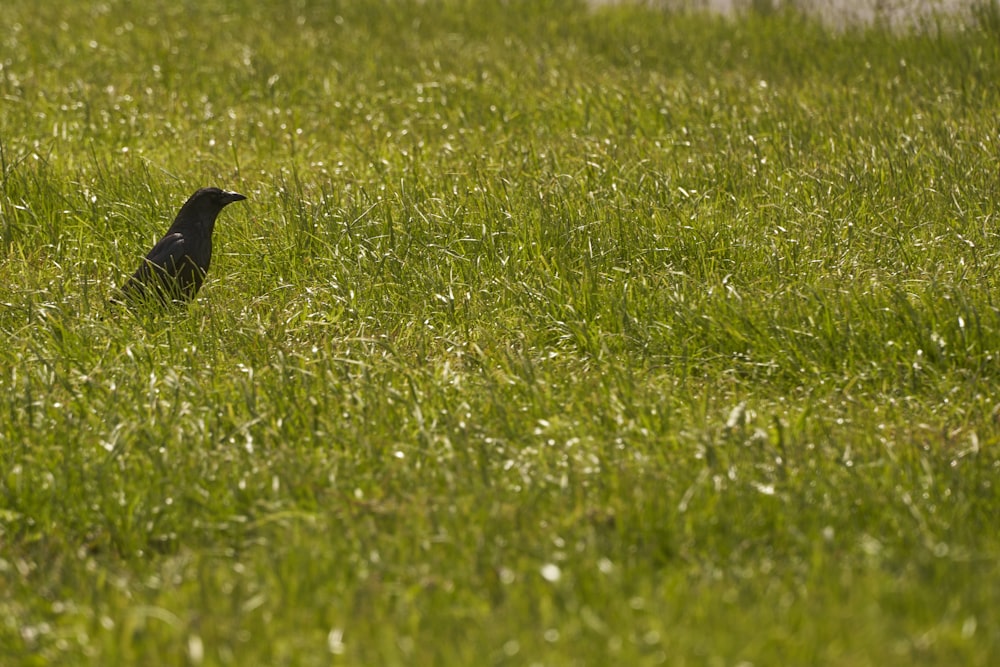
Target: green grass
{"x": 548, "y": 336}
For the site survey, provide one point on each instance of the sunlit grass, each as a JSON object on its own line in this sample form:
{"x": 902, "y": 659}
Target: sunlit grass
{"x": 548, "y": 335}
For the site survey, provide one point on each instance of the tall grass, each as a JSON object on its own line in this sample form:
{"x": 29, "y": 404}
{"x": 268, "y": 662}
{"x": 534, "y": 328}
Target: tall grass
{"x": 549, "y": 335}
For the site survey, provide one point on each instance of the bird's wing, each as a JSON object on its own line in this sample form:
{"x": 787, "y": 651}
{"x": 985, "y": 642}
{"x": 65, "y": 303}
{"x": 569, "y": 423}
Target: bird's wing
{"x": 167, "y": 253}
{"x": 164, "y": 264}
{"x": 165, "y": 258}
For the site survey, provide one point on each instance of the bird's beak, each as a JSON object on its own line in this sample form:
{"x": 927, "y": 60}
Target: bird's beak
{"x": 230, "y": 197}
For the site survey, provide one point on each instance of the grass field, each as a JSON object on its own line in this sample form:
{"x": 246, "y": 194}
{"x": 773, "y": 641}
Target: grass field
{"x": 548, "y": 336}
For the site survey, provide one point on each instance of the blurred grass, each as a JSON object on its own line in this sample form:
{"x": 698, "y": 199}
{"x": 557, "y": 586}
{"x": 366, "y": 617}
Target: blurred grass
{"x": 549, "y": 335}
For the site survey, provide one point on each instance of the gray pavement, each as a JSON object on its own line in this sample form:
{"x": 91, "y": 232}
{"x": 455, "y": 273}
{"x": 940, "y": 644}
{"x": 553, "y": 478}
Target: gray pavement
{"x": 891, "y": 12}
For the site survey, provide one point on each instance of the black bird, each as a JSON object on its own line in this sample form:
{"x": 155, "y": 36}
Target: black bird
{"x": 176, "y": 266}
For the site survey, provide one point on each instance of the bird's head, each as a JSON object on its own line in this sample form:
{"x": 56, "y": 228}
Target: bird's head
{"x": 201, "y": 209}
{"x": 217, "y": 196}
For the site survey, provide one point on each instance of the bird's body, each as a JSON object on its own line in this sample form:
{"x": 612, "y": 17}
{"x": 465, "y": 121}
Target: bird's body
{"x": 175, "y": 268}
